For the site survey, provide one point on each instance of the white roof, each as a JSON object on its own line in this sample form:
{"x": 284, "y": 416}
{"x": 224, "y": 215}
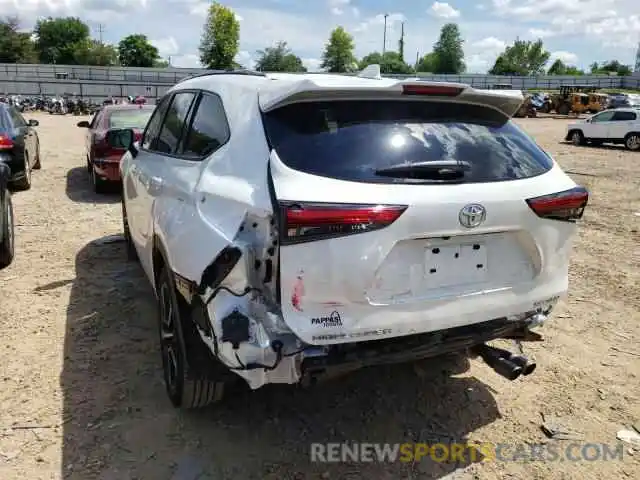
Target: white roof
{"x": 277, "y": 89}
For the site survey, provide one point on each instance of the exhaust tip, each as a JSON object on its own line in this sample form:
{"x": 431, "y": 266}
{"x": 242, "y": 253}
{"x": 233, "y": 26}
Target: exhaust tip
{"x": 523, "y": 362}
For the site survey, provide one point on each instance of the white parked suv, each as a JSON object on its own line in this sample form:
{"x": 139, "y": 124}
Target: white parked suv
{"x": 620, "y": 125}
{"x": 292, "y": 225}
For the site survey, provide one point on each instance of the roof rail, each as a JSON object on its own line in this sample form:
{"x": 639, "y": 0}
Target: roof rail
{"x": 225, "y": 72}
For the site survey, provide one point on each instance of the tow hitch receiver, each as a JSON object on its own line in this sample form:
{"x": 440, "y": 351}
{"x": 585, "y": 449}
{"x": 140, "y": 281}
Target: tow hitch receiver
{"x": 504, "y": 363}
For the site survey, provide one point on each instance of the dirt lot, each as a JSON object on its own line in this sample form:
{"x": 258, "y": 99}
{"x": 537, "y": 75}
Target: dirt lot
{"x": 81, "y": 393}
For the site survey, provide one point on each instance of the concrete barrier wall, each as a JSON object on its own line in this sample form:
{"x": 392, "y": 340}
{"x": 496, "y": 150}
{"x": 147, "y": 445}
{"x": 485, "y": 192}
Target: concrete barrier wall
{"x": 96, "y": 83}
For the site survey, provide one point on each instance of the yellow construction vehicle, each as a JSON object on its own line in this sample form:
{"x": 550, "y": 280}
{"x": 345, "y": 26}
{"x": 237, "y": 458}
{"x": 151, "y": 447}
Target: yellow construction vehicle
{"x": 570, "y": 99}
{"x": 597, "y": 102}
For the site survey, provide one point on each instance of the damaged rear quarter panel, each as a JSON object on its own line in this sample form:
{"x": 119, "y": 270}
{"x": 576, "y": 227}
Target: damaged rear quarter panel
{"x": 224, "y": 188}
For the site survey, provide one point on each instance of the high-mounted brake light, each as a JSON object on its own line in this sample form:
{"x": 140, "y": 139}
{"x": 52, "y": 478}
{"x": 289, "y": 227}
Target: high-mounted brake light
{"x": 306, "y": 222}
{"x": 436, "y": 90}
{"x": 6, "y": 143}
{"x": 567, "y": 206}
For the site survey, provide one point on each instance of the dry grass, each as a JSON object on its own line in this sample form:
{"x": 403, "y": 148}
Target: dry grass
{"x": 80, "y": 360}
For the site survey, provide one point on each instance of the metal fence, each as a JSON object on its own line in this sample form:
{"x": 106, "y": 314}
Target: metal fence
{"x": 99, "y": 82}
{"x": 88, "y": 90}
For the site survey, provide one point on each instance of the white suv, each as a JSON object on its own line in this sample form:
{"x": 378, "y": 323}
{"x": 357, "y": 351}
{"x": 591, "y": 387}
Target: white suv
{"x": 292, "y": 225}
{"x": 620, "y": 125}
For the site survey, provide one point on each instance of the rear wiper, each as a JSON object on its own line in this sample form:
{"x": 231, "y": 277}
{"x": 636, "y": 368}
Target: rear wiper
{"x": 442, "y": 169}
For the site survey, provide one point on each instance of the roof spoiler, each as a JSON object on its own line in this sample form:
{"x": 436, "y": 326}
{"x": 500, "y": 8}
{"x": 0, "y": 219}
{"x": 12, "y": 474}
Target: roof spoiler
{"x": 308, "y": 89}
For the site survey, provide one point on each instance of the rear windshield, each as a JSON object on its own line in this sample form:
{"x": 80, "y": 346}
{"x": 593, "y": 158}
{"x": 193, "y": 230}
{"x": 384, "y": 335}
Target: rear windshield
{"x": 350, "y": 140}
{"x": 130, "y": 118}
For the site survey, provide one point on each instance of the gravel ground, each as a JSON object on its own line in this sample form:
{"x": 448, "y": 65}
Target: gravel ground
{"x": 82, "y": 396}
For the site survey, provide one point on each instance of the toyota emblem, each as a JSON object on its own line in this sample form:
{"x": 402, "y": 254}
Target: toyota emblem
{"x": 472, "y": 215}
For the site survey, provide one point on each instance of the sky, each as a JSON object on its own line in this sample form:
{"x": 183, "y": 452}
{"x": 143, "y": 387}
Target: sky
{"x": 577, "y": 31}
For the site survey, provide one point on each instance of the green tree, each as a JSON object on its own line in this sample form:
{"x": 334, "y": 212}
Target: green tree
{"x": 522, "y": 58}
{"x": 136, "y": 51}
{"x": 448, "y": 50}
{"x": 58, "y": 39}
{"x": 279, "y": 59}
{"x": 15, "y": 46}
{"x": 338, "y": 53}
{"x": 559, "y": 68}
{"x": 93, "y": 52}
{"x": 161, "y": 63}
{"x": 220, "y": 38}
{"x": 611, "y": 67}
{"x": 428, "y": 63}
{"x": 390, "y": 62}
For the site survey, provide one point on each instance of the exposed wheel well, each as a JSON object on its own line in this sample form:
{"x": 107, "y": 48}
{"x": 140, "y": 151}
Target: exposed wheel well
{"x": 158, "y": 260}
{"x": 631, "y": 133}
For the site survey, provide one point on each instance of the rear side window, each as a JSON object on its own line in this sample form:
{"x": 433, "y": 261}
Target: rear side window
{"x": 130, "y": 118}
{"x": 350, "y": 140}
{"x": 169, "y": 136}
{"x": 623, "y": 116}
{"x": 209, "y": 129}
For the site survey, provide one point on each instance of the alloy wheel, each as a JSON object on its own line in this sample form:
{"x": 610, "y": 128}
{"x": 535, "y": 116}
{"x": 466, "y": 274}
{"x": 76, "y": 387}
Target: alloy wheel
{"x": 633, "y": 142}
{"x": 168, "y": 339}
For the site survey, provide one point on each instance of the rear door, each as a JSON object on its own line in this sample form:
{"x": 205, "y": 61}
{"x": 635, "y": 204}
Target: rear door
{"x": 368, "y": 245}
{"x": 621, "y": 123}
{"x": 149, "y": 171}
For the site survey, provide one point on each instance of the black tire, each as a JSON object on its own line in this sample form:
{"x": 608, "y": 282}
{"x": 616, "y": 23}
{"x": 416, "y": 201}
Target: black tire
{"x": 7, "y": 236}
{"x": 632, "y": 142}
{"x": 25, "y": 182}
{"x": 189, "y": 380}
{"x": 577, "y": 138}
{"x": 564, "y": 109}
{"x": 132, "y": 254}
{"x": 37, "y": 165}
{"x": 99, "y": 185}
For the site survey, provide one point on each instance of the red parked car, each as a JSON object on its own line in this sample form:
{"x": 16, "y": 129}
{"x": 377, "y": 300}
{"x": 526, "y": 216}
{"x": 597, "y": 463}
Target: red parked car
{"x": 103, "y": 161}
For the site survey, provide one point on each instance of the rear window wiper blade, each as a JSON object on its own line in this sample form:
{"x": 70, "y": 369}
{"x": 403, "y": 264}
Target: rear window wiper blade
{"x": 440, "y": 169}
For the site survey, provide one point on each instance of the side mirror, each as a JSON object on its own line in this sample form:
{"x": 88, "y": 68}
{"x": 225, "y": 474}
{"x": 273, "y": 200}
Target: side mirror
{"x": 83, "y": 124}
{"x": 122, "y": 138}
{"x": 33, "y": 123}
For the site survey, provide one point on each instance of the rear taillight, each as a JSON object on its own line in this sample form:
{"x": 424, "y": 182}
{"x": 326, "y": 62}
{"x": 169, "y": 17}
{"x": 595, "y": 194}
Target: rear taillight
{"x": 567, "y": 205}
{"x": 436, "y": 90}
{"x": 6, "y": 143}
{"x": 306, "y": 222}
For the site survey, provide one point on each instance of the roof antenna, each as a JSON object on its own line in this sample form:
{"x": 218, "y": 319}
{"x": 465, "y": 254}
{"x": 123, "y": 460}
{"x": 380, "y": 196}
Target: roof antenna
{"x": 371, "y": 71}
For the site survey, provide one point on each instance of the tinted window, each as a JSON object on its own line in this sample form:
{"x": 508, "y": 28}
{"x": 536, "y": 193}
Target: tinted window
{"x": 16, "y": 118}
{"x": 130, "y": 118}
{"x": 209, "y": 129}
{"x": 624, "y": 116}
{"x": 169, "y": 136}
{"x": 603, "y": 117}
{"x": 351, "y": 140}
{"x": 153, "y": 127}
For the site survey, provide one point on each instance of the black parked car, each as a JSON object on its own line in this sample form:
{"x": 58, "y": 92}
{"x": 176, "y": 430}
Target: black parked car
{"x": 6, "y": 219}
{"x": 19, "y": 146}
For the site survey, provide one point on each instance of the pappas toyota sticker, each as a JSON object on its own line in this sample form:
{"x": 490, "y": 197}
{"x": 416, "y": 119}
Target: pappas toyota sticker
{"x": 332, "y": 320}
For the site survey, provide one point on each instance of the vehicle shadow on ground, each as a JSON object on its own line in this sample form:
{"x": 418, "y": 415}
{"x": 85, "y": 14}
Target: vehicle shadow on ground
{"x": 79, "y": 188}
{"x": 607, "y": 146}
{"x": 119, "y": 425}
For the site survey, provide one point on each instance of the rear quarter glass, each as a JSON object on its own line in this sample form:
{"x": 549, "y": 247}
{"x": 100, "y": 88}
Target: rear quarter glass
{"x": 350, "y": 140}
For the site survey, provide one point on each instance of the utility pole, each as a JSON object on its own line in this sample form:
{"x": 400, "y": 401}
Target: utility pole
{"x": 100, "y": 31}
{"x": 417, "y": 59}
{"x": 401, "y": 43}
{"x": 384, "y": 35}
